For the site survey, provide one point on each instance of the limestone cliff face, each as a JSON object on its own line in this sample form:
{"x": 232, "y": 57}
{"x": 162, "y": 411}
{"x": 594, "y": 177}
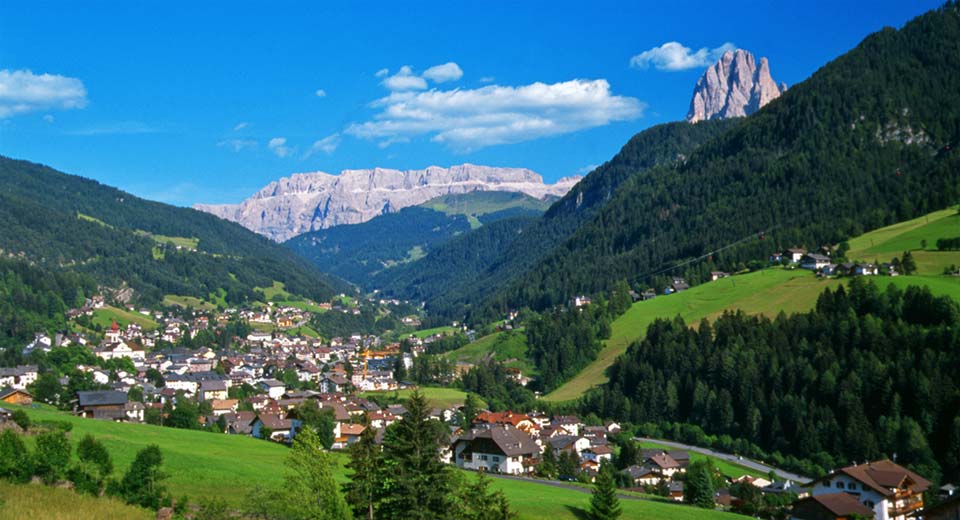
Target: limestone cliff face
{"x": 309, "y": 201}
{"x": 735, "y": 86}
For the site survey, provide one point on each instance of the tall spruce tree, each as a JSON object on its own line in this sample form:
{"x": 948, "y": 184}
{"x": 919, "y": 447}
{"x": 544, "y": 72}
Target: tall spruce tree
{"x": 698, "y": 488}
{"x": 365, "y": 479}
{"x": 415, "y": 483}
{"x": 605, "y": 505}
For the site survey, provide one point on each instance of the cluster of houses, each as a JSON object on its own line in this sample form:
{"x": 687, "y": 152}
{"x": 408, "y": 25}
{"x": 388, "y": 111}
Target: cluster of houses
{"x": 821, "y": 262}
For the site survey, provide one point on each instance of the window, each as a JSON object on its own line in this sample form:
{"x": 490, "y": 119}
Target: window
{"x": 826, "y": 483}
{"x": 839, "y": 485}
{"x": 496, "y": 458}
{"x": 483, "y": 457}
{"x": 869, "y": 503}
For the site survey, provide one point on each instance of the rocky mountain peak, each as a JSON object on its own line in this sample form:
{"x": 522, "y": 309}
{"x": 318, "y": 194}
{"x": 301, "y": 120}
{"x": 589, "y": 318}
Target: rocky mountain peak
{"x": 734, "y": 86}
{"x": 316, "y": 200}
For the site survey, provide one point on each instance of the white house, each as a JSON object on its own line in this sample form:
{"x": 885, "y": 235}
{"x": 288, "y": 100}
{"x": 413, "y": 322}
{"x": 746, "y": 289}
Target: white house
{"x": 18, "y": 377}
{"x": 814, "y": 261}
{"x": 275, "y": 389}
{"x": 499, "y": 449}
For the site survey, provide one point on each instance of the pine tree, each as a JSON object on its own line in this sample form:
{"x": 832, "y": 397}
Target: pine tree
{"x": 471, "y": 407}
{"x": 365, "y": 464}
{"x": 416, "y": 484}
{"x": 141, "y": 484}
{"x": 311, "y": 491}
{"x": 698, "y": 488}
{"x": 605, "y": 505}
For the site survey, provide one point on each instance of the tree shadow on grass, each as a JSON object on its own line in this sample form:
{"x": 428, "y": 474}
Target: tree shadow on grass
{"x": 579, "y": 512}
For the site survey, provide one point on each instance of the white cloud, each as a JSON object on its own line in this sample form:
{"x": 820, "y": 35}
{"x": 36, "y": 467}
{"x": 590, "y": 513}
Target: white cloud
{"x": 49, "y": 118}
{"x": 487, "y": 79}
{"x": 321, "y": 93}
{"x": 382, "y": 72}
{"x": 22, "y": 91}
{"x": 240, "y": 126}
{"x": 405, "y": 79}
{"x": 471, "y": 119}
{"x": 586, "y": 169}
{"x": 278, "y": 145}
{"x": 674, "y": 56}
{"x": 237, "y": 144}
{"x": 326, "y": 145}
{"x": 449, "y": 71}
{"x": 117, "y": 128}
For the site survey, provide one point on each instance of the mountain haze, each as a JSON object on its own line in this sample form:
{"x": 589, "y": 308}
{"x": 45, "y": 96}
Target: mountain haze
{"x": 310, "y": 201}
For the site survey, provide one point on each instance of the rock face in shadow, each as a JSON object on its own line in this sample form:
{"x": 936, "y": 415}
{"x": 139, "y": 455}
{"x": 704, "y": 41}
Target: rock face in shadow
{"x": 310, "y": 201}
{"x": 735, "y": 86}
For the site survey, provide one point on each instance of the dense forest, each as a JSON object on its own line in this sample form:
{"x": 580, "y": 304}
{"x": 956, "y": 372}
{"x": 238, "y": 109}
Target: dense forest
{"x": 870, "y": 139}
{"x": 62, "y": 222}
{"x": 866, "y": 374}
{"x": 475, "y": 266}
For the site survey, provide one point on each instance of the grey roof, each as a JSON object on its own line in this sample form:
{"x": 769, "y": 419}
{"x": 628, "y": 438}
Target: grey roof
{"x": 509, "y": 440}
{"x": 4, "y": 392}
{"x": 101, "y": 398}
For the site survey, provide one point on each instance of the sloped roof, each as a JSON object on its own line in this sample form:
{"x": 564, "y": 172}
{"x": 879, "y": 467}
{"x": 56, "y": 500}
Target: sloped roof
{"x": 841, "y": 504}
{"x": 102, "y": 398}
{"x": 883, "y": 475}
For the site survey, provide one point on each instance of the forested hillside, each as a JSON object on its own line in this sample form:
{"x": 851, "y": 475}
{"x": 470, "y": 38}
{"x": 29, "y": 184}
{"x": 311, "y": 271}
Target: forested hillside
{"x": 867, "y": 374}
{"x": 63, "y": 222}
{"x": 487, "y": 258}
{"x": 358, "y": 252}
{"x": 870, "y": 139}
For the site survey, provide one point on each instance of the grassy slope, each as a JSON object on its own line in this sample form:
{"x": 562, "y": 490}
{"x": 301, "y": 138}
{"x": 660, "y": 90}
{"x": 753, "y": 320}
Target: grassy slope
{"x": 105, "y": 316}
{"x": 508, "y": 347}
{"x": 774, "y": 290}
{"x": 206, "y": 464}
{"x": 18, "y": 502}
{"x": 439, "y": 397}
{"x": 187, "y": 302}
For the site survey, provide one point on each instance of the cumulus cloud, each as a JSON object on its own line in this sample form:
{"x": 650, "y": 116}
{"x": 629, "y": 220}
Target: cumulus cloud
{"x": 674, "y": 56}
{"x": 491, "y": 115}
{"x": 321, "y": 93}
{"x": 382, "y": 72}
{"x": 22, "y": 91}
{"x": 405, "y": 79}
{"x": 326, "y": 145}
{"x": 237, "y": 144}
{"x": 449, "y": 71}
{"x": 278, "y": 145}
{"x": 240, "y": 126}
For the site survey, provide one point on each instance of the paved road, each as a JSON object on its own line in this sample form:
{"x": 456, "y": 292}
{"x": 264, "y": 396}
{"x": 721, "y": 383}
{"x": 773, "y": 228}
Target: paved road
{"x": 559, "y": 484}
{"x": 763, "y": 468}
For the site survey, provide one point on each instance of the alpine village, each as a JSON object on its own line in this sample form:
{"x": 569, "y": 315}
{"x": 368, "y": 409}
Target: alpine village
{"x": 752, "y": 311}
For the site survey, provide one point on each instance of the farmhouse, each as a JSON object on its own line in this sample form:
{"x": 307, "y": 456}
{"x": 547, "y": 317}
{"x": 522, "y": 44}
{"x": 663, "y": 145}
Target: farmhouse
{"x": 15, "y": 396}
{"x": 499, "y": 448}
{"x": 102, "y": 404}
{"x": 814, "y": 261}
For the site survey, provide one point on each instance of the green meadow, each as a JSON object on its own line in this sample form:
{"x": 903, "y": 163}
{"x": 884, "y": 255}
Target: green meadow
{"x": 508, "y": 347}
{"x": 106, "y": 315}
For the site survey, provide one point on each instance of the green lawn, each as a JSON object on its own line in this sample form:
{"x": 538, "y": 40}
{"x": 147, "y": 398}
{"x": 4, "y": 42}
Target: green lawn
{"x": 439, "y": 397}
{"x": 728, "y": 469}
{"x": 204, "y": 464}
{"x": 276, "y": 289}
{"x": 509, "y": 347}
{"x": 425, "y": 333}
{"x": 105, "y": 316}
{"x": 18, "y": 502}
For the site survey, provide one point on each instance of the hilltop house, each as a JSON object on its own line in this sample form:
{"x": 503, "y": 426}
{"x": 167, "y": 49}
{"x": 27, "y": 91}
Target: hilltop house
{"x": 887, "y": 489}
{"x": 499, "y": 448}
{"x": 814, "y": 261}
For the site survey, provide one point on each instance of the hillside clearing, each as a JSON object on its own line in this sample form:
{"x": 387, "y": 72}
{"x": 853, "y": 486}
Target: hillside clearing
{"x": 106, "y": 315}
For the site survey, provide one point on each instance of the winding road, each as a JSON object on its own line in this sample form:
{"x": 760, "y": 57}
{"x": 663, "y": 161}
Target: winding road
{"x": 747, "y": 463}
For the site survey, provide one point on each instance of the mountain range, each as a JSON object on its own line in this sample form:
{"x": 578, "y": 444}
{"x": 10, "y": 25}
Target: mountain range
{"x": 311, "y": 201}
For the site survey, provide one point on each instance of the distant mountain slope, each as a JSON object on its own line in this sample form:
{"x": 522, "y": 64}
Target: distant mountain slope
{"x": 357, "y": 252}
{"x": 61, "y": 221}
{"x": 474, "y": 266}
{"x": 311, "y": 201}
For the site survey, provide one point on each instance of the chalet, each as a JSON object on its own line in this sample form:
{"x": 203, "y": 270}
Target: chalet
{"x": 279, "y": 429}
{"x": 642, "y": 475}
{"x": 648, "y": 294}
{"x": 597, "y": 453}
{"x": 675, "y": 490}
{"x": 663, "y": 464}
{"x": 814, "y": 261}
{"x": 499, "y": 448}
{"x": 776, "y": 258}
{"x": 15, "y": 396}
{"x": 572, "y": 443}
{"x": 349, "y": 434}
{"x": 716, "y": 275}
{"x": 679, "y": 284}
{"x": 831, "y": 506}
{"x": 18, "y": 377}
{"x": 102, "y": 404}
{"x": 223, "y": 406}
{"x": 829, "y": 270}
{"x": 568, "y": 423}
{"x": 865, "y": 270}
{"x": 888, "y": 489}
{"x": 334, "y": 384}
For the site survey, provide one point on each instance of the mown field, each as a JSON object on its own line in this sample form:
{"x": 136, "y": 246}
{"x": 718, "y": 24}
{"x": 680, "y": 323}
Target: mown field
{"x": 106, "y": 315}
{"x": 204, "y": 464}
{"x": 776, "y": 290}
{"x": 508, "y": 347}
{"x": 438, "y": 397}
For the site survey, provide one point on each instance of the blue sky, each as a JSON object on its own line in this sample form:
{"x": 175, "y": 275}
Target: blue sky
{"x": 207, "y": 102}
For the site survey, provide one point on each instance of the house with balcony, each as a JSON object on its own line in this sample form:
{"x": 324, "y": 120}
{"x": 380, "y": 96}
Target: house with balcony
{"x": 888, "y": 489}
{"x": 499, "y": 448}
